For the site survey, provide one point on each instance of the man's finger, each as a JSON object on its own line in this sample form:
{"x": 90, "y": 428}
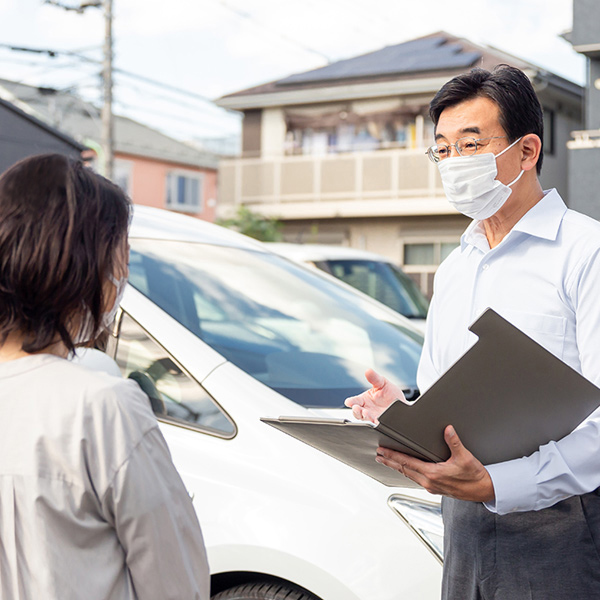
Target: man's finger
{"x": 354, "y": 401}
{"x": 374, "y": 378}
{"x": 399, "y": 461}
{"x": 357, "y": 412}
{"x": 453, "y": 441}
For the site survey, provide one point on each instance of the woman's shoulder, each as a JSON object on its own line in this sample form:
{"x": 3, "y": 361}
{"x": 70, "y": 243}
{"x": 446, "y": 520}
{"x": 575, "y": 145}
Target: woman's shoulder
{"x": 108, "y": 397}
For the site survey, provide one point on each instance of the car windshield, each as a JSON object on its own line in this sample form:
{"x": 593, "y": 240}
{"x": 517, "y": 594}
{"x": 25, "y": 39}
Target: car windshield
{"x": 292, "y": 329}
{"x": 382, "y": 281}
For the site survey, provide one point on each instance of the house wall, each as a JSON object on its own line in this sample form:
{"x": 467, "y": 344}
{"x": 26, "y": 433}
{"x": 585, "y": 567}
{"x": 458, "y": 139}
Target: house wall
{"x": 555, "y": 172}
{"x": 586, "y": 22}
{"x": 148, "y": 183}
{"x": 20, "y": 137}
{"x": 592, "y": 113}
{"x": 585, "y": 180}
{"x": 272, "y": 132}
{"x": 251, "y": 133}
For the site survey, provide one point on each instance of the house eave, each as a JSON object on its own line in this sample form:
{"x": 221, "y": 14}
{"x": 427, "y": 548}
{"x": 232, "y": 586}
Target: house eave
{"x": 355, "y": 91}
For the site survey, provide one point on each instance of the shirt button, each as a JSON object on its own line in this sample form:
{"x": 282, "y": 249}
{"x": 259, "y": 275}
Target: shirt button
{"x": 485, "y": 267}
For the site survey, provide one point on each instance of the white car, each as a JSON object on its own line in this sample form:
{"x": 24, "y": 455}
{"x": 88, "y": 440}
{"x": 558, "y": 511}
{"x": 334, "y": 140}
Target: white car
{"x": 371, "y": 273}
{"x": 219, "y": 332}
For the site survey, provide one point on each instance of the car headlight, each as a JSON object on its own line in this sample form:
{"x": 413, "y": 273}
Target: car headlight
{"x": 424, "y": 518}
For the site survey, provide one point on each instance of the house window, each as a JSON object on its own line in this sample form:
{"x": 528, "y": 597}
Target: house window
{"x": 184, "y": 191}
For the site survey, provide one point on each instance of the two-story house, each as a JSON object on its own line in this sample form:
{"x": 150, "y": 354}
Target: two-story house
{"x": 153, "y": 168}
{"x": 338, "y": 153}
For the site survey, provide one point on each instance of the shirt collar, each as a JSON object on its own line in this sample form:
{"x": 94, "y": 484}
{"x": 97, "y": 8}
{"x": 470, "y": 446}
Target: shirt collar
{"x": 542, "y": 220}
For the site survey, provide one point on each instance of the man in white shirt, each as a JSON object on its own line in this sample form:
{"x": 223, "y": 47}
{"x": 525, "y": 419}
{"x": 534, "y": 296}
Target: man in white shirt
{"x": 527, "y": 528}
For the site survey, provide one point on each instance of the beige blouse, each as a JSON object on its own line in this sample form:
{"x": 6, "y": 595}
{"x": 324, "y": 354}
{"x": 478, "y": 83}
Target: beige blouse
{"x": 91, "y": 505}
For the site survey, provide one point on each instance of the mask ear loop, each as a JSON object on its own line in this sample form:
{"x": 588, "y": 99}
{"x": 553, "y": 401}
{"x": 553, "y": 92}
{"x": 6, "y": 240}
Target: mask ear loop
{"x": 516, "y": 179}
{"x": 505, "y": 150}
{"x": 508, "y": 147}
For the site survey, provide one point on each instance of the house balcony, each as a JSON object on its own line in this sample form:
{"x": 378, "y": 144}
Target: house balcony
{"x": 396, "y": 182}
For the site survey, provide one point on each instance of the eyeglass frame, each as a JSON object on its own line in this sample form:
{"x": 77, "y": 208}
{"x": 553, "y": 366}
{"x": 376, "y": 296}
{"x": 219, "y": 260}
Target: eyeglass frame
{"x": 430, "y": 150}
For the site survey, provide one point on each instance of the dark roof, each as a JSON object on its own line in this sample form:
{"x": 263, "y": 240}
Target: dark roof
{"x": 42, "y": 125}
{"x": 438, "y": 54}
{"x": 416, "y": 56}
{"x": 82, "y": 120}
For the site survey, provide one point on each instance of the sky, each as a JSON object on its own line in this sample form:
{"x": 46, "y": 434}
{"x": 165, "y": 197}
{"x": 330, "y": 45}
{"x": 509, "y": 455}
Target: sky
{"x": 209, "y": 48}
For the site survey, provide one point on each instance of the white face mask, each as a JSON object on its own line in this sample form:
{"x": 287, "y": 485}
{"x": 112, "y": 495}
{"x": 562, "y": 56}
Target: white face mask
{"x": 109, "y": 316}
{"x": 471, "y": 186}
{"x": 85, "y": 332}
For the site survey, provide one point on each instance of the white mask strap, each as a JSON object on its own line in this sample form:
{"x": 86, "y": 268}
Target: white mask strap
{"x": 516, "y": 179}
{"x": 508, "y": 147}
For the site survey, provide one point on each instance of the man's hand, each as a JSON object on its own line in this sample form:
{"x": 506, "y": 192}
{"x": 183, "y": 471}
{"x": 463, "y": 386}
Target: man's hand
{"x": 370, "y": 404}
{"x": 462, "y": 476}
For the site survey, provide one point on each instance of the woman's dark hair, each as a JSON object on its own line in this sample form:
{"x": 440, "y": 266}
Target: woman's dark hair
{"x": 60, "y": 227}
{"x": 520, "y": 109}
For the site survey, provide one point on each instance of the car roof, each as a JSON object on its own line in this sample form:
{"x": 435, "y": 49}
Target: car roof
{"x": 317, "y": 252}
{"x": 160, "y": 224}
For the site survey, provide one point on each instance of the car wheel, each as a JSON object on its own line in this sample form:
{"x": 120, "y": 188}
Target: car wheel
{"x": 264, "y": 591}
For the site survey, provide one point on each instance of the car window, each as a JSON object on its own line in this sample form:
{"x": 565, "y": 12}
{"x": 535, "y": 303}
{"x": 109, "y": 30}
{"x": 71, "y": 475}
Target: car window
{"x": 382, "y": 281}
{"x": 290, "y": 328}
{"x": 173, "y": 395}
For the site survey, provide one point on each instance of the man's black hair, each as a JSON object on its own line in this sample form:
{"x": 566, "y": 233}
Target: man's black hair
{"x": 520, "y": 109}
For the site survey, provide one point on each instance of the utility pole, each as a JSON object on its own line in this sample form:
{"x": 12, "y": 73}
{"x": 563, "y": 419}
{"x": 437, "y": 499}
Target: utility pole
{"x": 107, "y": 85}
{"x": 107, "y": 139}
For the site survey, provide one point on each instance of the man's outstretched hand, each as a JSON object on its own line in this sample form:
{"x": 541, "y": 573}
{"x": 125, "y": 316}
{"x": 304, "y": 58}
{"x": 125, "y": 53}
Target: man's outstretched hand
{"x": 462, "y": 476}
{"x": 370, "y": 404}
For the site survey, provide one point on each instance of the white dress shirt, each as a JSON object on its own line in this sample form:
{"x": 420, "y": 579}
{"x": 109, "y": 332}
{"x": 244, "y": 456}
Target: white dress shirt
{"x": 91, "y": 505}
{"x": 544, "y": 277}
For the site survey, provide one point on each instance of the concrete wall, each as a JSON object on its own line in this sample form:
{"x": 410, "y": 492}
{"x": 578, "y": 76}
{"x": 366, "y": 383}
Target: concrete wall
{"x": 586, "y": 22}
{"x": 584, "y": 177}
{"x": 555, "y": 172}
{"x": 592, "y": 99}
{"x": 20, "y": 137}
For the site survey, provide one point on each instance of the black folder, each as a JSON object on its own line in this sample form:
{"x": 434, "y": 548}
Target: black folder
{"x": 506, "y": 396}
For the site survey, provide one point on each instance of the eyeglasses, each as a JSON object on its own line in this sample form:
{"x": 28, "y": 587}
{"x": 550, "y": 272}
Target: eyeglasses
{"x": 466, "y": 146}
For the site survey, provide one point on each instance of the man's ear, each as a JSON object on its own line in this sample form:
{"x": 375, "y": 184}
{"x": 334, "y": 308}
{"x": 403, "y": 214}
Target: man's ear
{"x": 531, "y": 147}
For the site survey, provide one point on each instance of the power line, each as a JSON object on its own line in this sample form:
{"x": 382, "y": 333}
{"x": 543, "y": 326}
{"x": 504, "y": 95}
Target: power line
{"x": 57, "y": 53}
{"x": 249, "y": 17}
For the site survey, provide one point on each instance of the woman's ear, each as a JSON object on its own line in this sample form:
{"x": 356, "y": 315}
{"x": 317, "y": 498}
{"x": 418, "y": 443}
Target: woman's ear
{"x": 531, "y": 147}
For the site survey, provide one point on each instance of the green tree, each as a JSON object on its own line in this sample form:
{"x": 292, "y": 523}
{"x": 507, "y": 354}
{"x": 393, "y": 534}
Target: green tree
{"x": 254, "y": 225}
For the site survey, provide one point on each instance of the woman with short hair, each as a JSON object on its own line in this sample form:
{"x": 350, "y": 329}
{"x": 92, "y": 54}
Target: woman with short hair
{"x": 91, "y": 505}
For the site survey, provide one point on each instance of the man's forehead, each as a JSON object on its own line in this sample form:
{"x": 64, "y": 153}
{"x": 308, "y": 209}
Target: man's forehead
{"x": 477, "y": 116}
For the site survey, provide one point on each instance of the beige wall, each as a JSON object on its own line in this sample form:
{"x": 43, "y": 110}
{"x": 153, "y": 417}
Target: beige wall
{"x": 272, "y": 132}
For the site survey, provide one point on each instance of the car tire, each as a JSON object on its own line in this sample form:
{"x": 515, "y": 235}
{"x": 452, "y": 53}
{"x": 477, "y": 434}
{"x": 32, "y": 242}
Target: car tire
{"x": 264, "y": 591}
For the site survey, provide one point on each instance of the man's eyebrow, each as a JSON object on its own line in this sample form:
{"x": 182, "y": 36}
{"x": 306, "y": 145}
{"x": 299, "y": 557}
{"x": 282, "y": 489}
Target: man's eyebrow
{"x": 464, "y": 130}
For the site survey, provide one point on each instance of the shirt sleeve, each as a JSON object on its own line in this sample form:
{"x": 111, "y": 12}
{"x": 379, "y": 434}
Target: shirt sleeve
{"x": 427, "y": 372}
{"x": 157, "y": 525}
{"x": 570, "y": 466}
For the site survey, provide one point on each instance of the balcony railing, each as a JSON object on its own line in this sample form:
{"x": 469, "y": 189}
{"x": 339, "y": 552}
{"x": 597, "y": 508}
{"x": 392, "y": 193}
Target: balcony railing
{"x": 360, "y": 176}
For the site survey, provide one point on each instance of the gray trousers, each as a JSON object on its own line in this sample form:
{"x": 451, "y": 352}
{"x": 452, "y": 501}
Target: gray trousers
{"x": 551, "y": 554}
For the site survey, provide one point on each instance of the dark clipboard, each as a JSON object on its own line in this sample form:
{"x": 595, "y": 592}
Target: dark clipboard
{"x": 506, "y": 396}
